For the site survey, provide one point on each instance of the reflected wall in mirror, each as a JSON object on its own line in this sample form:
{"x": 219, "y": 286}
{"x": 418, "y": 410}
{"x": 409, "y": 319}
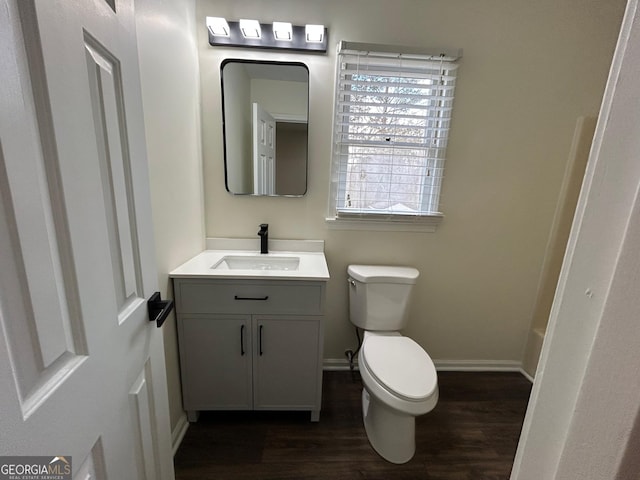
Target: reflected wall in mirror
{"x": 265, "y": 110}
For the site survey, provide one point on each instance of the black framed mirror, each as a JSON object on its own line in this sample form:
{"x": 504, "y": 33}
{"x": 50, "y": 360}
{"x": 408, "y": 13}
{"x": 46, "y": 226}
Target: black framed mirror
{"x": 265, "y": 111}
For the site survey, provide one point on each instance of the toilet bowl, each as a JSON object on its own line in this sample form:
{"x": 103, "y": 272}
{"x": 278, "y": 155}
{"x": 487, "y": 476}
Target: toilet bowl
{"x": 399, "y": 378}
{"x": 400, "y": 383}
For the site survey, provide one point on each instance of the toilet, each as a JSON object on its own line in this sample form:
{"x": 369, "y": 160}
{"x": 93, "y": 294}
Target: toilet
{"x": 399, "y": 378}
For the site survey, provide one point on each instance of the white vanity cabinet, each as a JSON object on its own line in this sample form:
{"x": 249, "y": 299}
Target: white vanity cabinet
{"x": 250, "y": 344}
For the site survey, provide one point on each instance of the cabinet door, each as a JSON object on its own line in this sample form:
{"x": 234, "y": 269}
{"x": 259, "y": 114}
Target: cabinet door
{"x": 215, "y": 352}
{"x": 286, "y": 360}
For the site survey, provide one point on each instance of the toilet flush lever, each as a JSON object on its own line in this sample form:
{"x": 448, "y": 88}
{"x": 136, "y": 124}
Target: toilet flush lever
{"x": 351, "y": 282}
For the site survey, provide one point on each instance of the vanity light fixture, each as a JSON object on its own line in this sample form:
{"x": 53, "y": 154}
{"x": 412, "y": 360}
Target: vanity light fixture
{"x": 314, "y": 33}
{"x": 279, "y": 35}
{"x": 218, "y": 26}
{"x": 282, "y": 31}
{"x": 250, "y": 28}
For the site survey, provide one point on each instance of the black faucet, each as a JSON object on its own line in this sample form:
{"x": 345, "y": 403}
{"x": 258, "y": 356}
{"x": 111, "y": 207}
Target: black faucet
{"x": 264, "y": 237}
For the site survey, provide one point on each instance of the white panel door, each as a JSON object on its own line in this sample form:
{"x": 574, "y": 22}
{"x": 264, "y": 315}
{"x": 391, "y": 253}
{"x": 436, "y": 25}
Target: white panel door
{"x": 81, "y": 367}
{"x": 264, "y": 152}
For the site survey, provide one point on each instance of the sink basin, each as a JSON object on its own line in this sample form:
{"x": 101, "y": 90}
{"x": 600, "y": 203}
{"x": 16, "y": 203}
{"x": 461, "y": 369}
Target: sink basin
{"x": 257, "y": 262}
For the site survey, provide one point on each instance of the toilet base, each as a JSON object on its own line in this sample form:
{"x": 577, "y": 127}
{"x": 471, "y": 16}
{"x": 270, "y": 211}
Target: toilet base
{"x": 391, "y": 433}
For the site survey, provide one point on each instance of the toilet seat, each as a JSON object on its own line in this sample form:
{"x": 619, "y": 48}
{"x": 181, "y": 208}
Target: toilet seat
{"x": 401, "y": 366}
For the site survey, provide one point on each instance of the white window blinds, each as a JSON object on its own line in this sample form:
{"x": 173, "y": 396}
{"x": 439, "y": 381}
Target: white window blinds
{"x": 393, "y": 112}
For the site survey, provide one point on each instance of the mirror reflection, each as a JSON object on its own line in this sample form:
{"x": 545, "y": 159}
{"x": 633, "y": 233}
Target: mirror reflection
{"x": 265, "y": 114}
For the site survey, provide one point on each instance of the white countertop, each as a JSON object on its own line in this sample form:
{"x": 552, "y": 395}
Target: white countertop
{"x": 313, "y": 264}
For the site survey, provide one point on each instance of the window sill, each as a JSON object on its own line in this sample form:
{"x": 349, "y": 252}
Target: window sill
{"x": 390, "y": 224}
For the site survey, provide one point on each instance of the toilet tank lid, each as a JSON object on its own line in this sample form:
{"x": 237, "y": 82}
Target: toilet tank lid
{"x": 383, "y": 274}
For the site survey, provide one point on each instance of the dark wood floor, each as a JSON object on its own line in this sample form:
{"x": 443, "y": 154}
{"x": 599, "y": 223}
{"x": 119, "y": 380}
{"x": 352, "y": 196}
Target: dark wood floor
{"x": 472, "y": 434}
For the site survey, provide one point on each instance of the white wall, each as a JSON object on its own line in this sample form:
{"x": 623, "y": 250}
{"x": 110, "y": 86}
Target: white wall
{"x": 529, "y": 70}
{"x": 237, "y": 89}
{"x": 279, "y": 97}
{"x": 171, "y": 100}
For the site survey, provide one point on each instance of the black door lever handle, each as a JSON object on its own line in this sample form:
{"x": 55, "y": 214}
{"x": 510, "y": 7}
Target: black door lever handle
{"x": 158, "y": 309}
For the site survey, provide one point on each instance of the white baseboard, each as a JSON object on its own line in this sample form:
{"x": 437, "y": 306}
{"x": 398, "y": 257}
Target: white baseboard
{"x": 526, "y": 375}
{"x": 477, "y": 365}
{"x": 178, "y": 433}
{"x": 336, "y": 364}
{"x": 331, "y": 364}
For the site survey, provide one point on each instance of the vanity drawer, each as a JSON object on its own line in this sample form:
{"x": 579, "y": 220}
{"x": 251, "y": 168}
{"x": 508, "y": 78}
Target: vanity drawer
{"x": 250, "y": 297}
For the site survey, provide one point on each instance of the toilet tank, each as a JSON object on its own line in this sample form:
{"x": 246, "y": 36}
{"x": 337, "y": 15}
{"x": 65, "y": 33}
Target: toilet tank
{"x": 379, "y": 296}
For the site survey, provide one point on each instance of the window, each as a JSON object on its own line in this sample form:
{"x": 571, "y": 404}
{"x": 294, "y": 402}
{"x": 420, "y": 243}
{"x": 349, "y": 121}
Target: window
{"x": 392, "y": 116}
